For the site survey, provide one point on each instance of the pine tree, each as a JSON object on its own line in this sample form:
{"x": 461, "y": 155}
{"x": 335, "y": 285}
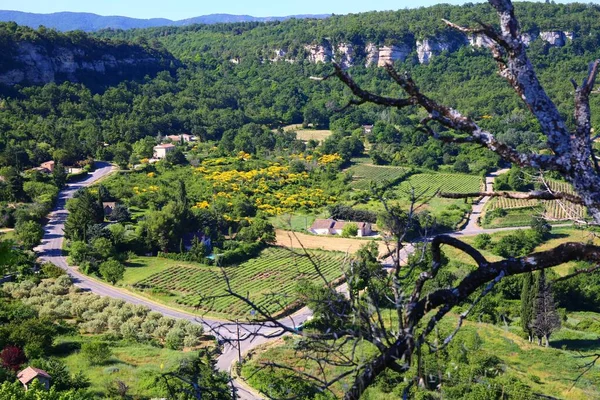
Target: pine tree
{"x": 546, "y": 318}
{"x": 528, "y": 296}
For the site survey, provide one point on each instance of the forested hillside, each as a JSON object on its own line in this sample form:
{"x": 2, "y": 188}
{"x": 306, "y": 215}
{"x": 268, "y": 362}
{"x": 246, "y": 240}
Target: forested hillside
{"x": 226, "y": 87}
{"x": 44, "y": 56}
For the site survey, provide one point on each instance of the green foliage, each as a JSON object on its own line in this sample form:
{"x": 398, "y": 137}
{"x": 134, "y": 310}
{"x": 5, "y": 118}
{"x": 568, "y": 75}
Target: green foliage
{"x": 96, "y": 352}
{"x": 517, "y": 244}
{"x": 350, "y": 230}
{"x": 482, "y": 241}
{"x": 112, "y": 271}
{"x": 196, "y": 378}
{"x": 85, "y": 210}
{"x": 528, "y": 296}
{"x": 29, "y": 233}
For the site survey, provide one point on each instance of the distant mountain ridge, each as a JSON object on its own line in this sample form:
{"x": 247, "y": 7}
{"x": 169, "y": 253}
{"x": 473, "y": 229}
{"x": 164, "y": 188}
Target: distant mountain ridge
{"x": 70, "y": 21}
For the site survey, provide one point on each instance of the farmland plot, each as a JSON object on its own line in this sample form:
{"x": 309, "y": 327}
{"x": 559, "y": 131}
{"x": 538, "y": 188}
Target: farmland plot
{"x": 270, "y": 280}
{"x": 428, "y": 183}
{"x": 551, "y": 209}
{"x": 363, "y": 175}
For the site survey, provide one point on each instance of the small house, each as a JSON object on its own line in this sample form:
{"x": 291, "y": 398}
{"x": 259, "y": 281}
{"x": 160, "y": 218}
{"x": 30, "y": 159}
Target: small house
{"x": 109, "y": 207}
{"x": 367, "y": 129}
{"x": 48, "y": 166}
{"x": 332, "y": 227}
{"x": 322, "y": 226}
{"x": 161, "y": 151}
{"x": 29, "y": 374}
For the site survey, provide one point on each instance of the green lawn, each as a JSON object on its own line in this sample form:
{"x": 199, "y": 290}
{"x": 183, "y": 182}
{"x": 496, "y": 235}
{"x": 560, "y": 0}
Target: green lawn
{"x": 270, "y": 279}
{"x": 136, "y": 364}
{"x": 294, "y": 222}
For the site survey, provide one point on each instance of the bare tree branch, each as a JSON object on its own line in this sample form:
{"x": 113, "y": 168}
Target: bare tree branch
{"x": 535, "y": 195}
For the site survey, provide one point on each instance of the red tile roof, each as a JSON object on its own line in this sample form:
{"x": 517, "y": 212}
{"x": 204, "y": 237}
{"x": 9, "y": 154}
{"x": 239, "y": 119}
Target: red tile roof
{"x": 30, "y": 373}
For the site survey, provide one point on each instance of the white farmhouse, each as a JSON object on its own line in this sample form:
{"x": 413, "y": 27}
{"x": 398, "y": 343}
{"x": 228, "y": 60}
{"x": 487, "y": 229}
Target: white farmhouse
{"x": 162, "y": 150}
{"x": 330, "y": 226}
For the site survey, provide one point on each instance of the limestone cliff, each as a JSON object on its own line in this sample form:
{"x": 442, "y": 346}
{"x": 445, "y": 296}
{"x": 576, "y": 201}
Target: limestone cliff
{"x": 26, "y": 62}
{"x": 372, "y": 54}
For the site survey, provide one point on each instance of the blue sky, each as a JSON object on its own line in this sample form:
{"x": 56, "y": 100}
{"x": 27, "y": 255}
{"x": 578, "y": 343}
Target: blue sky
{"x": 180, "y": 9}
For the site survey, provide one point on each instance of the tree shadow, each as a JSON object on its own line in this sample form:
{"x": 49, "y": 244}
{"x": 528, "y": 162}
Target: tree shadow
{"x": 66, "y": 348}
{"x": 130, "y": 264}
{"x": 576, "y": 344}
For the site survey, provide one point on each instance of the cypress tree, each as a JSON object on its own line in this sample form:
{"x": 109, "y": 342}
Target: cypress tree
{"x": 546, "y": 318}
{"x": 527, "y": 299}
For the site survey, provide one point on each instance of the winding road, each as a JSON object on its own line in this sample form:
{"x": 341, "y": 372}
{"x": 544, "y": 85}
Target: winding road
{"x": 251, "y": 336}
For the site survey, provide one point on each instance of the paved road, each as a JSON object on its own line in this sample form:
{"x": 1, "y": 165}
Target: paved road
{"x": 472, "y": 227}
{"x": 251, "y": 336}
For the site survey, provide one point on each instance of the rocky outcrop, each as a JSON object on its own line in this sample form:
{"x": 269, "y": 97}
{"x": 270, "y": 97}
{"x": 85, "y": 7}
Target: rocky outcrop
{"x": 391, "y": 54}
{"x": 344, "y": 55}
{"x": 380, "y": 56}
{"x": 32, "y": 63}
{"x": 431, "y": 47}
{"x": 318, "y": 53}
{"x": 480, "y": 41}
{"x": 554, "y": 38}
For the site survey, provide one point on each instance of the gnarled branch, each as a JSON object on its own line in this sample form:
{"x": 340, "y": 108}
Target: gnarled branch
{"x": 535, "y": 195}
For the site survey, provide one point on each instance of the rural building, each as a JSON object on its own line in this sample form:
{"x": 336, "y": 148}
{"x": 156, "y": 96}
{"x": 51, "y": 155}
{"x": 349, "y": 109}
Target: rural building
{"x": 367, "y": 129}
{"x": 332, "y": 227}
{"x": 182, "y": 137}
{"x": 29, "y": 374}
{"x": 162, "y": 150}
{"x": 48, "y": 166}
{"x": 108, "y": 207}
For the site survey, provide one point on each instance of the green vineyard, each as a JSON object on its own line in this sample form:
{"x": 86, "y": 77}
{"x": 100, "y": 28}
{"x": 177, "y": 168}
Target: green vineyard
{"x": 270, "y": 279}
{"x": 427, "y": 184}
{"x": 551, "y": 209}
{"x": 364, "y": 174}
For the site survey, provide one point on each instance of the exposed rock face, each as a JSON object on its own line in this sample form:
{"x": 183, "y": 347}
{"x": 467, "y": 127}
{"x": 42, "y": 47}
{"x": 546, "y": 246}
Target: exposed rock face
{"x": 480, "y": 41}
{"x": 390, "y": 54}
{"x": 554, "y": 38}
{"x": 345, "y": 55}
{"x": 527, "y": 38}
{"x": 318, "y": 53}
{"x": 380, "y": 56}
{"x": 429, "y": 48}
{"x": 36, "y": 64}
{"x": 372, "y": 54}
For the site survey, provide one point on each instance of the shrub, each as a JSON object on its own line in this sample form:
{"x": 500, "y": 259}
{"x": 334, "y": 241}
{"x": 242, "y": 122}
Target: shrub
{"x": 482, "y": 241}
{"x": 52, "y": 271}
{"x": 96, "y": 352}
{"x": 350, "y": 230}
{"x": 174, "y": 339}
{"x": 112, "y": 271}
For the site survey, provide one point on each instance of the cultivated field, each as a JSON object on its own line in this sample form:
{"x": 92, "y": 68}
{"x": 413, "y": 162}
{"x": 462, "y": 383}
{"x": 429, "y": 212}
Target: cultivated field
{"x": 551, "y": 209}
{"x": 270, "y": 279}
{"x": 428, "y": 184}
{"x": 330, "y": 243}
{"x": 308, "y": 134}
{"x": 364, "y": 174}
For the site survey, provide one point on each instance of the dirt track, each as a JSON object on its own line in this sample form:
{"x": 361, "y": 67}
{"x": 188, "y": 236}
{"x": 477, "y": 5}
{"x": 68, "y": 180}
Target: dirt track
{"x": 332, "y": 243}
